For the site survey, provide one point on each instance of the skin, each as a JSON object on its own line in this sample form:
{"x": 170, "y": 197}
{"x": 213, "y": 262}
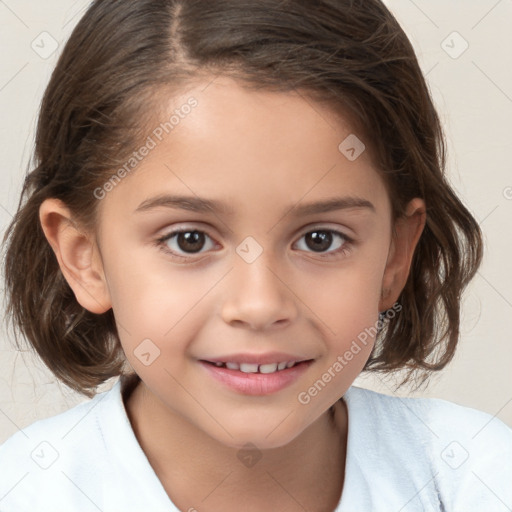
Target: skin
{"x": 261, "y": 153}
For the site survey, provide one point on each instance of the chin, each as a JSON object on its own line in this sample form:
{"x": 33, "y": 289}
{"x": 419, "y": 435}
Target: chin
{"x": 262, "y": 436}
{"x": 258, "y": 441}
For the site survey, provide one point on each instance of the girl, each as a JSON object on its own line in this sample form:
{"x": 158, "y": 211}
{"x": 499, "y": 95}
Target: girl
{"x": 238, "y": 207}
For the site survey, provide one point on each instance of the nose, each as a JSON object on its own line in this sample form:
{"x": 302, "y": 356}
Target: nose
{"x": 258, "y": 296}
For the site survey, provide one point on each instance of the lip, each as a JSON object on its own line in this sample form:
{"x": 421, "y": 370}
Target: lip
{"x": 264, "y": 358}
{"x": 256, "y": 383}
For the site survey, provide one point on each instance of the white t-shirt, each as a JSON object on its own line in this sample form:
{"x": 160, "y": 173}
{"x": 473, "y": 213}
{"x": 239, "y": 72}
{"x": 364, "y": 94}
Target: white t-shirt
{"x": 403, "y": 454}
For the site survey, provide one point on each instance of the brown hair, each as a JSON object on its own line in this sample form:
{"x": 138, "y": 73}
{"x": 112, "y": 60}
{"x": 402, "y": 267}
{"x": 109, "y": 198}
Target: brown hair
{"x": 101, "y": 99}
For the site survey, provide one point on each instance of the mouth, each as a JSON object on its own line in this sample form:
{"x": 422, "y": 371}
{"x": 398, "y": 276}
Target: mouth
{"x": 256, "y": 379}
{"x": 256, "y": 368}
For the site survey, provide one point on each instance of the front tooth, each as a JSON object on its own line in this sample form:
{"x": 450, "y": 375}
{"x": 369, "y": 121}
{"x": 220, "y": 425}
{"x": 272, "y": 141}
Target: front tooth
{"x": 281, "y": 366}
{"x": 233, "y": 366}
{"x": 290, "y": 364}
{"x": 268, "y": 368}
{"x": 248, "y": 368}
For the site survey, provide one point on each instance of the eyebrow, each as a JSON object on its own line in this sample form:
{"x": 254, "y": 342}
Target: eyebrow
{"x": 203, "y": 205}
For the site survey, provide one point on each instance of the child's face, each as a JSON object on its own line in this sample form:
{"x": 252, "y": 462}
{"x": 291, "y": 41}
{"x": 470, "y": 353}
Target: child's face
{"x": 255, "y": 283}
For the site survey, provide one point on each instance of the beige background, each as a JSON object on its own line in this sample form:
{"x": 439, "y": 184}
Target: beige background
{"x": 473, "y": 92}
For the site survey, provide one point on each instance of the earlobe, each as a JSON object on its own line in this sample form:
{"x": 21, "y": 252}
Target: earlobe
{"x": 406, "y": 235}
{"x": 77, "y": 256}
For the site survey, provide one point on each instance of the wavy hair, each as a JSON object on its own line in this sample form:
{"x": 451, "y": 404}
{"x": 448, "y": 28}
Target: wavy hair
{"x": 103, "y": 95}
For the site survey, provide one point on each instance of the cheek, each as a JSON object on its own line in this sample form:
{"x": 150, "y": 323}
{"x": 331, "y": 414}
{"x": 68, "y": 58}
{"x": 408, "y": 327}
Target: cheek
{"x": 352, "y": 332}
{"x": 346, "y": 310}
{"x": 148, "y": 302}
{"x": 349, "y": 325}
{"x": 347, "y": 299}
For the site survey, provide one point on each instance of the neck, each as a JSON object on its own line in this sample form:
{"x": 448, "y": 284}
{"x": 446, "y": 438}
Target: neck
{"x": 198, "y": 471}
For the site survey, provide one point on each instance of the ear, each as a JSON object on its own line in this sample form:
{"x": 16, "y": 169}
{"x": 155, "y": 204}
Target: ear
{"x": 406, "y": 234}
{"x": 77, "y": 255}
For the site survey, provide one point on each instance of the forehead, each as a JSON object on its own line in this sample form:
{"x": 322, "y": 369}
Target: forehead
{"x": 249, "y": 148}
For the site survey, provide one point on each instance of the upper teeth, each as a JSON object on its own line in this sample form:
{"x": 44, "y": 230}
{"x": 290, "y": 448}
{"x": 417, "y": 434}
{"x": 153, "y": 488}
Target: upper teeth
{"x": 254, "y": 368}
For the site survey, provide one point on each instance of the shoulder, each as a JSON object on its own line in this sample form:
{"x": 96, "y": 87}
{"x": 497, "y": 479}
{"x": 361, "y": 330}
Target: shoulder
{"x": 38, "y": 464}
{"x": 87, "y": 459}
{"x": 437, "y": 413}
{"x": 467, "y": 452}
{"x": 63, "y": 426}
{"x": 440, "y": 417}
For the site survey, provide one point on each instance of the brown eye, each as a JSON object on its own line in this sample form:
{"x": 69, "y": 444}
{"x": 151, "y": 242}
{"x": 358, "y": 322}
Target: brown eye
{"x": 185, "y": 241}
{"x": 320, "y": 240}
{"x": 190, "y": 241}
